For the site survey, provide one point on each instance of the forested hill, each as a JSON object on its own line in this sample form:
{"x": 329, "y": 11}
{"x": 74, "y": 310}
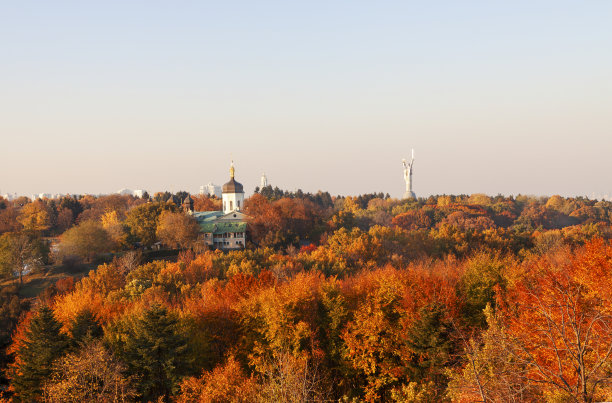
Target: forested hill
{"x": 367, "y": 298}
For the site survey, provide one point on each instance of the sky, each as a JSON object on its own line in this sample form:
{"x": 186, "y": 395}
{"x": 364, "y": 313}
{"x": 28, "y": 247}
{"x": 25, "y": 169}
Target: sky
{"x": 495, "y": 97}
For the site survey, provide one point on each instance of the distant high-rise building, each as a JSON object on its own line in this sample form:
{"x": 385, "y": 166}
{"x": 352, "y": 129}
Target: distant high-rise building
{"x": 264, "y": 181}
{"x": 210, "y": 190}
{"x": 13, "y": 196}
{"x": 45, "y": 196}
{"x": 130, "y": 192}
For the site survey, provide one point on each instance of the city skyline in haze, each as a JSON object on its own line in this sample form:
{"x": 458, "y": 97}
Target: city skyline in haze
{"x": 494, "y": 98}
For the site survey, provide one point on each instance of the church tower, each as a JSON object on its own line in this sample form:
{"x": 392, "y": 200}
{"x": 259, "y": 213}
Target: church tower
{"x": 233, "y": 194}
{"x": 188, "y": 205}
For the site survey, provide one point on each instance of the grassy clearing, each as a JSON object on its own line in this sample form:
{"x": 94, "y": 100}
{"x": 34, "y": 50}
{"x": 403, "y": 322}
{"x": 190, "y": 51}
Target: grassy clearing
{"x": 35, "y": 283}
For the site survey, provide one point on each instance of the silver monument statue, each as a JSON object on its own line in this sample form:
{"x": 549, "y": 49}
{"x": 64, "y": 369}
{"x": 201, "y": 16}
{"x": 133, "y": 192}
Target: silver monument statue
{"x": 408, "y": 178}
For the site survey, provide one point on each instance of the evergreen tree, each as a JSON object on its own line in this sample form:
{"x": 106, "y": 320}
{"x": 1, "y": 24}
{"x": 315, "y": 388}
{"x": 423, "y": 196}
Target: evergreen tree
{"x": 85, "y": 327}
{"x": 43, "y": 344}
{"x": 429, "y": 340}
{"x": 180, "y": 196}
{"x": 154, "y": 350}
{"x": 11, "y": 308}
{"x": 72, "y": 204}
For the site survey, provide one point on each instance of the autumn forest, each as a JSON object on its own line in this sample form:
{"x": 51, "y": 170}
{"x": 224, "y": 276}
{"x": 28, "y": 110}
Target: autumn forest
{"x": 333, "y": 299}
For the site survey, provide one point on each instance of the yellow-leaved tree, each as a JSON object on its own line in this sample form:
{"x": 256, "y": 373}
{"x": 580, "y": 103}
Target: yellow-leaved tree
{"x": 115, "y": 228}
{"x": 35, "y": 217}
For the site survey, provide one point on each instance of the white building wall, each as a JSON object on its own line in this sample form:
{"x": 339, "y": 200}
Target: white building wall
{"x": 233, "y": 202}
{"x": 232, "y": 240}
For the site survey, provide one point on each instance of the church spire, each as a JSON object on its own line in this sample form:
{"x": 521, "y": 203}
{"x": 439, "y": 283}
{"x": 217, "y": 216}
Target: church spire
{"x": 232, "y": 170}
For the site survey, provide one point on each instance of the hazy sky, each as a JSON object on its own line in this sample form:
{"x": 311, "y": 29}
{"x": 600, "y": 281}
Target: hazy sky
{"x": 495, "y": 97}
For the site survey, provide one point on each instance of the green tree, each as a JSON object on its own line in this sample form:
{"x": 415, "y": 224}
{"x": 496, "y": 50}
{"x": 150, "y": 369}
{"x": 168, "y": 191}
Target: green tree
{"x": 142, "y": 221}
{"x": 72, "y": 204}
{"x": 19, "y": 254}
{"x": 483, "y": 273}
{"x": 42, "y": 345}
{"x": 154, "y": 349}
{"x": 86, "y": 240}
{"x": 11, "y": 308}
{"x": 84, "y": 327}
{"x": 429, "y": 340}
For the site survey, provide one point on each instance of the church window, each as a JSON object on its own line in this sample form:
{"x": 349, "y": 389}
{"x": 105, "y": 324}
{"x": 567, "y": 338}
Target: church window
{"x": 238, "y": 203}
{"x": 231, "y": 205}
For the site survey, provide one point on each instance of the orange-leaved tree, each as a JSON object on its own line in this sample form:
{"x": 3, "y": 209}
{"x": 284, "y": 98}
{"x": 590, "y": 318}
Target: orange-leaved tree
{"x": 400, "y": 335}
{"x": 225, "y": 383}
{"x": 558, "y": 318}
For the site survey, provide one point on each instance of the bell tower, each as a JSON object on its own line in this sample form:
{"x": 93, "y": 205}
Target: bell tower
{"x": 233, "y": 193}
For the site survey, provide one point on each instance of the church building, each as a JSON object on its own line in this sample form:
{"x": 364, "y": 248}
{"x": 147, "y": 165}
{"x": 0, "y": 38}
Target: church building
{"x": 224, "y": 229}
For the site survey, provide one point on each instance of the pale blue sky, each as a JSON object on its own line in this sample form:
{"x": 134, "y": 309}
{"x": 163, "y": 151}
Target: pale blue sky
{"x": 496, "y": 97}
